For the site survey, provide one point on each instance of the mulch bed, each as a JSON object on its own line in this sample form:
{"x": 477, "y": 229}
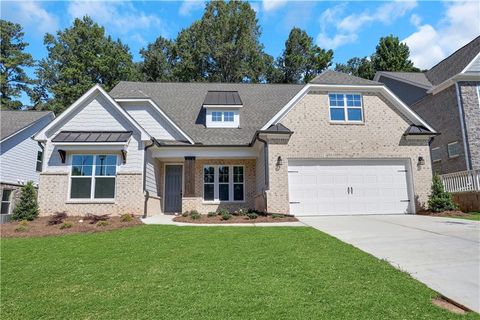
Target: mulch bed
{"x": 39, "y": 227}
{"x": 453, "y": 213}
{"x": 234, "y": 219}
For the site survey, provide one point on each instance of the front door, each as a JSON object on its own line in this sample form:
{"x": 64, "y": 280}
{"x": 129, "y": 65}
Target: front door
{"x": 173, "y": 188}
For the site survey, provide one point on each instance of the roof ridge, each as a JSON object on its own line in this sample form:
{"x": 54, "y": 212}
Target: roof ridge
{"x": 215, "y": 83}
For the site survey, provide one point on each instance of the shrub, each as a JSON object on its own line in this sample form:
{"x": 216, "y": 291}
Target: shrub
{"x": 21, "y": 228}
{"x": 185, "y": 214}
{"x": 23, "y": 223}
{"x": 127, "y": 217}
{"x": 211, "y": 214}
{"x": 102, "y": 223}
{"x": 222, "y": 212}
{"x": 440, "y": 200}
{"x": 27, "y": 207}
{"x": 97, "y": 218}
{"x": 57, "y": 218}
{"x": 240, "y": 212}
{"x": 66, "y": 225}
{"x": 276, "y": 216}
{"x": 252, "y": 215}
{"x": 226, "y": 215}
{"x": 194, "y": 215}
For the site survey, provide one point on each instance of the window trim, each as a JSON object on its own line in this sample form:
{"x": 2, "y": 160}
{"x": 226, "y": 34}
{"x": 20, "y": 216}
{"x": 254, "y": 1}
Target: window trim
{"x": 39, "y": 162}
{"x": 448, "y": 150}
{"x": 93, "y": 177}
{"x": 9, "y": 201}
{"x": 435, "y": 160}
{"x": 221, "y": 116}
{"x": 216, "y": 184}
{"x": 224, "y": 116}
{"x": 345, "y": 108}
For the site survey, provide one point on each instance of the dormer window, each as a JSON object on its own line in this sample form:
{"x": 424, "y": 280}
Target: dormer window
{"x": 222, "y": 109}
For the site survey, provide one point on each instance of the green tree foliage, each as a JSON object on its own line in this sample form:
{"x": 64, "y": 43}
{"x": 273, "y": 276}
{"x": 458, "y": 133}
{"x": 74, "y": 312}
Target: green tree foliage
{"x": 392, "y": 55}
{"x": 79, "y": 57}
{"x": 439, "y": 199}
{"x": 158, "y": 60}
{"x": 359, "y": 67}
{"x": 302, "y": 60}
{"x": 27, "y": 207}
{"x": 13, "y": 60}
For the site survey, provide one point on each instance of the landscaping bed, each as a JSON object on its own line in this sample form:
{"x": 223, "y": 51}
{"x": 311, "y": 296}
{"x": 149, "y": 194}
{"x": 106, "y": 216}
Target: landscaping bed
{"x": 453, "y": 214}
{"x": 226, "y": 217}
{"x": 70, "y": 224}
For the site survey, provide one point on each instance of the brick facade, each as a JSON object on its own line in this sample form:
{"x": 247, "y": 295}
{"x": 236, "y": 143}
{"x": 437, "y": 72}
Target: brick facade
{"x": 53, "y": 196}
{"x": 379, "y": 137}
{"x": 470, "y": 103}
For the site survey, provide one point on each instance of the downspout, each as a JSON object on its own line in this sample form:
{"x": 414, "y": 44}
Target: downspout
{"x": 462, "y": 124}
{"x": 145, "y": 191}
{"x": 267, "y": 169}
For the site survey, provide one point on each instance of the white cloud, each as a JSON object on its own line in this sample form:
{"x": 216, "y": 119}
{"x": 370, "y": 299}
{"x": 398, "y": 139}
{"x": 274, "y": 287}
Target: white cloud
{"x": 416, "y": 20}
{"x": 120, "y": 18}
{"x": 346, "y": 29}
{"x": 272, "y": 5}
{"x": 30, "y": 15}
{"x": 188, "y": 6}
{"x": 459, "y": 25}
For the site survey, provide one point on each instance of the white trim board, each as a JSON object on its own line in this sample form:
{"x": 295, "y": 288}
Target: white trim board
{"x": 160, "y": 111}
{"x": 402, "y": 107}
{"x": 96, "y": 89}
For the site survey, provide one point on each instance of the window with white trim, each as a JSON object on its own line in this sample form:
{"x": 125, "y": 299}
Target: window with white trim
{"x": 93, "y": 176}
{"x": 228, "y": 116}
{"x": 223, "y": 183}
{"x": 6, "y": 201}
{"x": 216, "y": 116}
{"x": 345, "y": 107}
{"x": 453, "y": 149}
{"x": 39, "y": 161}
{"x": 436, "y": 154}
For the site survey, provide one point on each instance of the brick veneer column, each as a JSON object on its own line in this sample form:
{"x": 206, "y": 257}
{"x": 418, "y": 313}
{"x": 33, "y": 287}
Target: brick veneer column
{"x": 189, "y": 176}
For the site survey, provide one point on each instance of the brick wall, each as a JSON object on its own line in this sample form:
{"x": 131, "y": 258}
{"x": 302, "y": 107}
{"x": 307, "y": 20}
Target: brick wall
{"x": 381, "y": 136}
{"x": 471, "y": 109}
{"x": 53, "y": 196}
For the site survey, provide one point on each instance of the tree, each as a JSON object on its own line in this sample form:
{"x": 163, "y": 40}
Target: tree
{"x": 79, "y": 57}
{"x": 440, "y": 200}
{"x": 13, "y": 60}
{"x": 359, "y": 67}
{"x": 302, "y": 60}
{"x": 392, "y": 55}
{"x": 158, "y": 59}
{"x": 27, "y": 207}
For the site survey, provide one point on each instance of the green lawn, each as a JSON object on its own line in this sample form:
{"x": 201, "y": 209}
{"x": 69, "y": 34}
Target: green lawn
{"x": 471, "y": 216}
{"x": 169, "y": 272}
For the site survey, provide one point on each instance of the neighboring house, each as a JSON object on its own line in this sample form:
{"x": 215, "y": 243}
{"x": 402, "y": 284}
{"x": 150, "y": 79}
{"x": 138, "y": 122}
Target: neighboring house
{"x": 338, "y": 145}
{"x": 20, "y": 155}
{"x": 448, "y": 97}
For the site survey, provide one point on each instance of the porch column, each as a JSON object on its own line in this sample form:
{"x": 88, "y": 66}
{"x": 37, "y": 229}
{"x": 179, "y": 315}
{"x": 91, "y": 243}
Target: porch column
{"x": 189, "y": 176}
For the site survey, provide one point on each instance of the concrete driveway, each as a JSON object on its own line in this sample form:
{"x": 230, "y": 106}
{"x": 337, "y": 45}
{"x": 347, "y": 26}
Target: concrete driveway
{"x": 443, "y": 253}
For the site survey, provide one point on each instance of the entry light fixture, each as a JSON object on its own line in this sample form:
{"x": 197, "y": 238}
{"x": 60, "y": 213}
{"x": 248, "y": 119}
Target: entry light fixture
{"x": 279, "y": 161}
{"x": 421, "y": 161}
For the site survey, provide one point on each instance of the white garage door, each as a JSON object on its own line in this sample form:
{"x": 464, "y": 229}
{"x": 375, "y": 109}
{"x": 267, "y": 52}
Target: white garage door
{"x": 336, "y": 187}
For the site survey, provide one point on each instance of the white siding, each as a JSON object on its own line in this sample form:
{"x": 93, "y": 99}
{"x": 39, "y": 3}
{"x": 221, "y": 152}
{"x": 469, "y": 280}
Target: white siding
{"x": 96, "y": 115}
{"x": 152, "y": 175}
{"x": 475, "y": 66}
{"x": 18, "y": 155}
{"x": 152, "y": 121}
{"x": 222, "y": 124}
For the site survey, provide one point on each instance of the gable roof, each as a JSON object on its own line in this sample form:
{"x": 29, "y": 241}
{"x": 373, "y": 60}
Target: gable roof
{"x": 415, "y": 78}
{"x": 454, "y": 63}
{"x": 339, "y": 78}
{"x": 15, "y": 121}
{"x": 95, "y": 90}
{"x": 183, "y": 103}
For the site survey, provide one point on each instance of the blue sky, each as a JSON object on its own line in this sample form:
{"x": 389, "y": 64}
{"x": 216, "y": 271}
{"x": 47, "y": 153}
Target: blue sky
{"x": 432, "y": 29}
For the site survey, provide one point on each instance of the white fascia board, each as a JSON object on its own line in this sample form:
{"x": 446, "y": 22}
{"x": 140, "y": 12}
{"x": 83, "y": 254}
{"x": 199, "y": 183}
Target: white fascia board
{"x": 223, "y": 106}
{"x": 206, "y": 152}
{"x": 459, "y": 77}
{"x": 415, "y": 118}
{"x": 159, "y": 110}
{"x": 41, "y": 135}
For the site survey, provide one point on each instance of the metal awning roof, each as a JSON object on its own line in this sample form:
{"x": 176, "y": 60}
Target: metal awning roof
{"x": 227, "y": 98}
{"x": 92, "y": 136}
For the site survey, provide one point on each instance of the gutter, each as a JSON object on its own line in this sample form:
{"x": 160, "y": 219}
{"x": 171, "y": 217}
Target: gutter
{"x": 145, "y": 191}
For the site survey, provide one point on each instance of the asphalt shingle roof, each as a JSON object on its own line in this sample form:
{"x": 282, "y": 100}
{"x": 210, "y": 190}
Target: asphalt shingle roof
{"x": 334, "y": 77}
{"x": 414, "y": 77}
{"x": 182, "y": 102}
{"x": 14, "y": 121}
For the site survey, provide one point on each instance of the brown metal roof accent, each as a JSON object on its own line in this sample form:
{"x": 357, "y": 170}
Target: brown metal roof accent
{"x": 92, "y": 136}
{"x": 222, "y": 98}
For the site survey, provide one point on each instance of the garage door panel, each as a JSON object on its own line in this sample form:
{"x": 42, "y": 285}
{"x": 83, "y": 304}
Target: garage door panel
{"x": 324, "y": 187}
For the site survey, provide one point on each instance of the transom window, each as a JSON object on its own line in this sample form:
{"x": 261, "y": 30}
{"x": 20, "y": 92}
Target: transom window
{"x": 93, "y": 176}
{"x": 223, "y": 183}
{"x": 345, "y": 107}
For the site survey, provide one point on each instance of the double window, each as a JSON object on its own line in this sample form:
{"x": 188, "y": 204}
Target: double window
{"x": 219, "y": 116}
{"x": 93, "y": 176}
{"x": 345, "y": 107}
{"x": 223, "y": 183}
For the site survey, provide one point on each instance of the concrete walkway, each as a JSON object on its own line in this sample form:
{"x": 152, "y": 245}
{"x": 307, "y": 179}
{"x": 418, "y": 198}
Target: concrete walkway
{"x": 443, "y": 253}
{"x": 168, "y": 220}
